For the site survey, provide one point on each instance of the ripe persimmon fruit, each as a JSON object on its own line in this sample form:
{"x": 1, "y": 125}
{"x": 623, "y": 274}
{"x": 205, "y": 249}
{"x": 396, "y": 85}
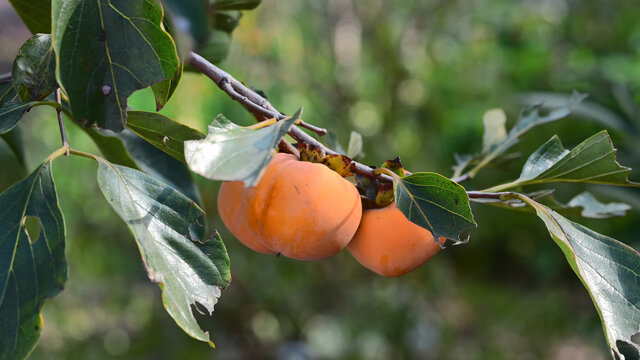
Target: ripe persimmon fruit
{"x": 229, "y": 208}
{"x": 302, "y": 210}
{"x": 388, "y": 244}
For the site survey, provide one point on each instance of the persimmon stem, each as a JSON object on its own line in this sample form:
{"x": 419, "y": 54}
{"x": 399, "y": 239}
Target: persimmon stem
{"x": 263, "y": 110}
{"x": 63, "y": 133}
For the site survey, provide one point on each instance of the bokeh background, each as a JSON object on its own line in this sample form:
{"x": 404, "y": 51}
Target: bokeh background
{"x": 414, "y": 78}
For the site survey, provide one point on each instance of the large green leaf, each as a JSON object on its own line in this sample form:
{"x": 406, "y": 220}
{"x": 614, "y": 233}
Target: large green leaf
{"x": 592, "y": 161}
{"x": 36, "y": 14}
{"x": 226, "y": 21}
{"x": 434, "y": 202}
{"x": 31, "y": 269}
{"x": 106, "y": 50}
{"x": 34, "y": 69}
{"x": 162, "y": 132}
{"x": 191, "y": 17}
{"x": 191, "y": 274}
{"x": 610, "y": 270}
{"x": 111, "y": 147}
{"x": 231, "y": 152}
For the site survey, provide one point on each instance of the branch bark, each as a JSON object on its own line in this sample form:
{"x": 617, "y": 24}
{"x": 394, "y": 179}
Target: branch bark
{"x": 260, "y": 107}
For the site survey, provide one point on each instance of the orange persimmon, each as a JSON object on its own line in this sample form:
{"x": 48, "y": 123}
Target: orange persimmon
{"x": 229, "y": 208}
{"x": 302, "y": 210}
{"x": 388, "y": 244}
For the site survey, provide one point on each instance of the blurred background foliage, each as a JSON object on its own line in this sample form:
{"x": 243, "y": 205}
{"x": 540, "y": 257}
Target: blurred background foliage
{"x": 414, "y": 78}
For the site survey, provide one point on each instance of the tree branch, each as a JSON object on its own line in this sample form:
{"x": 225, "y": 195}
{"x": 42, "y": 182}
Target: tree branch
{"x": 260, "y": 107}
{"x": 63, "y": 133}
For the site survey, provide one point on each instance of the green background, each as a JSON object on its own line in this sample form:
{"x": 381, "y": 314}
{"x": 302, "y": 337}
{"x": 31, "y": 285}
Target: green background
{"x": 414, "y": 77}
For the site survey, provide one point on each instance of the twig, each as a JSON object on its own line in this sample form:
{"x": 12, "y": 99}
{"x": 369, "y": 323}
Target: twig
{"x": 260, "y": 107}
{"x": 462, "y": 178}
{"x": 503, "y": 196}
{"x": 63, "y": 133}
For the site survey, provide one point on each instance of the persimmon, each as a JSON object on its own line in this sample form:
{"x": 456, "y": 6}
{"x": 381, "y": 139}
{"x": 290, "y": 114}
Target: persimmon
{"x": 229, "y": 208}
{"x": 302, "y": 210}
{"x": 388, "y": 244}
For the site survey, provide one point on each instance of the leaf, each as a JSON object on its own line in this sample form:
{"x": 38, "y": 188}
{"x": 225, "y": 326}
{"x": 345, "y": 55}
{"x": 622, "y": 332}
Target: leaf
{"x": 332, "y": 141}
{"x": 609, "y": 269}
{"x": 593, "y": 161}
{"x": 231, "y": 152}
{"x": 191, "y": 17}
{"x": 583, "y": 204}
{"x": 36, "y": 14}
{"x": 7, "y": 92}
{"x": 31, "y": 269}
{"x": 495, "y": 132}
{"x": 435, "y": 203}
{"x": 529, "y": 118}
{"x": 11, "y": 113}
{"x": 226, "y": 21}
{"x": 236, "y": 4}
{"x": 191, "y": 274}
{"x": 592, "y": 208}
{"x": 216, "y": 48}
{"x": 111, "y": 146}
{"x": 355, "y": 144}
{"x": 13, "y": 139}
{"x": 106, "y": 50}
{"x": 162, "y": 132}
{"x": 34, "y": 69}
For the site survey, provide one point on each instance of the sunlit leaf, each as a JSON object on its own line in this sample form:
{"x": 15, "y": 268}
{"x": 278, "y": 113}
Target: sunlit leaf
{"x": 592, "y": 161}
{"x": 434, "y": 202}
{"x": 106, "y": 50}
{"x": 231, "y": 152}
{"x": 610, "y": 270}
{"x": 34, "y": 69}
{"x": 191, "y": 274}
{"x": 36, "y": 14}
{"x": 592, "y": 208}
{"x": 31, "y": 269}
{"x": 355, "y": 145}
{"x": 162, "y": 132}
{"x": 495, "y": 130}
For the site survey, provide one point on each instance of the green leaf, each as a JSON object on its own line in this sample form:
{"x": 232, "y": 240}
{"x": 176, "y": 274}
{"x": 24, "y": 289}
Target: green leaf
{"x": 13, "y": 139}
{"x": 111, "y": 147}
{"x": 34, "y": 69}
{"x": 334, "y": 143}
{"x": 226, "y": 21}
{"x": 31, "y": 269}
{"x": 191, "y": 17}
{"x": 7, "y": 92}
{"x": 162, "y": 132}
{"x": 609, "y": 269}
{"x": 106, "y": 50}
{"x": 217, "y": 48}
{"x": 593, "y": 161}
{"x": 236, "y": 4}
{"x": 434, "y": 202}
{"x": 36, "y": 14}
{"x": 355, "y": 145}
{"x": 11, "y": 113}
{"x": 231, "y": 152}
{"x": 191, "y": 274}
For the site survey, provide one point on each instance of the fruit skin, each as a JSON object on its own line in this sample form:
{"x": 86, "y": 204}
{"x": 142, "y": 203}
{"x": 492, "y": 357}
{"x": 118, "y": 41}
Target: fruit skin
{"x": 229, "y": 208}
{"x": 302, "y": 210}
{"x": 388, "y": 244}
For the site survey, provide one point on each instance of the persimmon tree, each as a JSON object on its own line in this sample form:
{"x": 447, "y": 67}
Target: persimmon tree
{"x": 86, "y": 58}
